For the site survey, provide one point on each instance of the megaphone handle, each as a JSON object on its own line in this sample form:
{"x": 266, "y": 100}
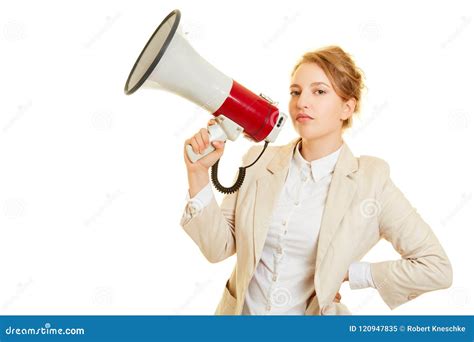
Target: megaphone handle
{"x": 194, "y": 157}
{"x": 215, "y": 133}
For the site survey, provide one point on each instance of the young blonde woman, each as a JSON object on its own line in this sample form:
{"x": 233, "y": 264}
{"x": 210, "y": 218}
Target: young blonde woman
{"x": 309, "y": 211}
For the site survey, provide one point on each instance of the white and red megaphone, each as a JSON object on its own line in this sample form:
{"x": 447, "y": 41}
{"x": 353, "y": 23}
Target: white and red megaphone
{"x": 170, "y": 63}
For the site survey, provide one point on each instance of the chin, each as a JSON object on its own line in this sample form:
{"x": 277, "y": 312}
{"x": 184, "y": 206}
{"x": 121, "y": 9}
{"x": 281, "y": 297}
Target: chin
{"x": 311, "y": 133}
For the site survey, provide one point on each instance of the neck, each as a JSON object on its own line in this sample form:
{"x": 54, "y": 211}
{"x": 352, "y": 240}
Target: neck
{"x": 321, "y": 147}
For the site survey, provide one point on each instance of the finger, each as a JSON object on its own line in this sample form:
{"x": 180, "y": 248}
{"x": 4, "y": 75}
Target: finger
{"x": 205, "y": 136}
{"x": 200, "y": 143}
{"x": 217, "y": 144}
{"x": 195, "y": 145}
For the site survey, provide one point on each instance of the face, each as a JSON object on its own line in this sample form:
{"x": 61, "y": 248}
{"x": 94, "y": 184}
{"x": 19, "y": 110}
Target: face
{"x": 313, "y": 95}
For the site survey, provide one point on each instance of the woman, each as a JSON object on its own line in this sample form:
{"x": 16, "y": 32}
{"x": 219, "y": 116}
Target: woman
{"x": 308, "y": 211}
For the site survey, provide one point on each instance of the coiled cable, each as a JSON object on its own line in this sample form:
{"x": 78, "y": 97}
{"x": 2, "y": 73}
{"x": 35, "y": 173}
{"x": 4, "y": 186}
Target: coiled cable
{"x": 240, "y": 178}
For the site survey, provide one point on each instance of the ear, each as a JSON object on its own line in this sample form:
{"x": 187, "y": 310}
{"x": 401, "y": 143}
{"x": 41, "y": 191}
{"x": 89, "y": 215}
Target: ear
{"x": 348, "y": 108}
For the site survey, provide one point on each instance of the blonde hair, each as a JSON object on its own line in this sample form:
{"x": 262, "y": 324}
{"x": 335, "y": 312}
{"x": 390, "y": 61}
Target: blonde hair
{"x": 346, "y": 78}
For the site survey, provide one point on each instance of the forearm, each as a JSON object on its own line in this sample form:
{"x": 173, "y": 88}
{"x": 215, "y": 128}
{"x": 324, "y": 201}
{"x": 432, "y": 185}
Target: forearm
{"x": 424, "y": 265}
{"x": 213, "y": 230}
{"x": 197, "y": 181}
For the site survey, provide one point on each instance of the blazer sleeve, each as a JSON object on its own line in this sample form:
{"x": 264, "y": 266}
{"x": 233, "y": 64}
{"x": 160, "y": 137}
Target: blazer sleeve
{"x": 213, "y": 230}
{"x": 424, "y": 265}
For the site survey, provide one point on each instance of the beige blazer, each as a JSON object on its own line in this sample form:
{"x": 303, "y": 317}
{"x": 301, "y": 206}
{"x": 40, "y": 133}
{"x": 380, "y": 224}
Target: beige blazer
{"x": 363, "y": 205}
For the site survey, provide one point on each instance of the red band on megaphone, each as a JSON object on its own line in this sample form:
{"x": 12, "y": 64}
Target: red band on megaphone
{"x": 255, "y": 114}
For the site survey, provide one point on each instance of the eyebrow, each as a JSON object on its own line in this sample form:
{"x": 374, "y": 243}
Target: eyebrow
{"x": 314, "y": 83}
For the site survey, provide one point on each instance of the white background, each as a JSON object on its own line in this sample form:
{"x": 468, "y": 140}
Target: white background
{"x": 93, "y": 182}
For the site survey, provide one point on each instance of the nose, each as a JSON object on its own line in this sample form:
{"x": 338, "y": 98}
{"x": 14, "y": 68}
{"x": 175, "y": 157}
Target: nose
{"x": 302, "y": 102}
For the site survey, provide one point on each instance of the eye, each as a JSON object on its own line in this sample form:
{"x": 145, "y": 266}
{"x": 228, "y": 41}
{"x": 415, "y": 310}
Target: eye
{"x": 319, "y": 92}
{"x": 294, "y": 93}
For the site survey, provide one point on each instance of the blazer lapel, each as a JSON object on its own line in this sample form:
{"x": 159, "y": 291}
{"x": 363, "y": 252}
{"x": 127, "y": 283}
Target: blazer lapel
{"x": 341, "y": 192}
{"x": 269, "y": 187}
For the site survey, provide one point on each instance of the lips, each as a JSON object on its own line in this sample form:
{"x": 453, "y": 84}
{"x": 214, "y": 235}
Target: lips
{"x": 301, "y": 116}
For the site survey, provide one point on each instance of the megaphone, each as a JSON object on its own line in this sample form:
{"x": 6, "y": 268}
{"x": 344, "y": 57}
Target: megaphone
{"x": 170, "y": 63}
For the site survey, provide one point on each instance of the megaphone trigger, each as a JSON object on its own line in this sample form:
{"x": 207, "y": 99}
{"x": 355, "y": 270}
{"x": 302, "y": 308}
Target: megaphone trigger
{"x": 194, "y": 157}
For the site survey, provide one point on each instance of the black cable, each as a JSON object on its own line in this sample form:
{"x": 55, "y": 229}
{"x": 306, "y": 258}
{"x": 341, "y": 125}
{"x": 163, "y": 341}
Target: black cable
{"x": 240, "y": 179}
